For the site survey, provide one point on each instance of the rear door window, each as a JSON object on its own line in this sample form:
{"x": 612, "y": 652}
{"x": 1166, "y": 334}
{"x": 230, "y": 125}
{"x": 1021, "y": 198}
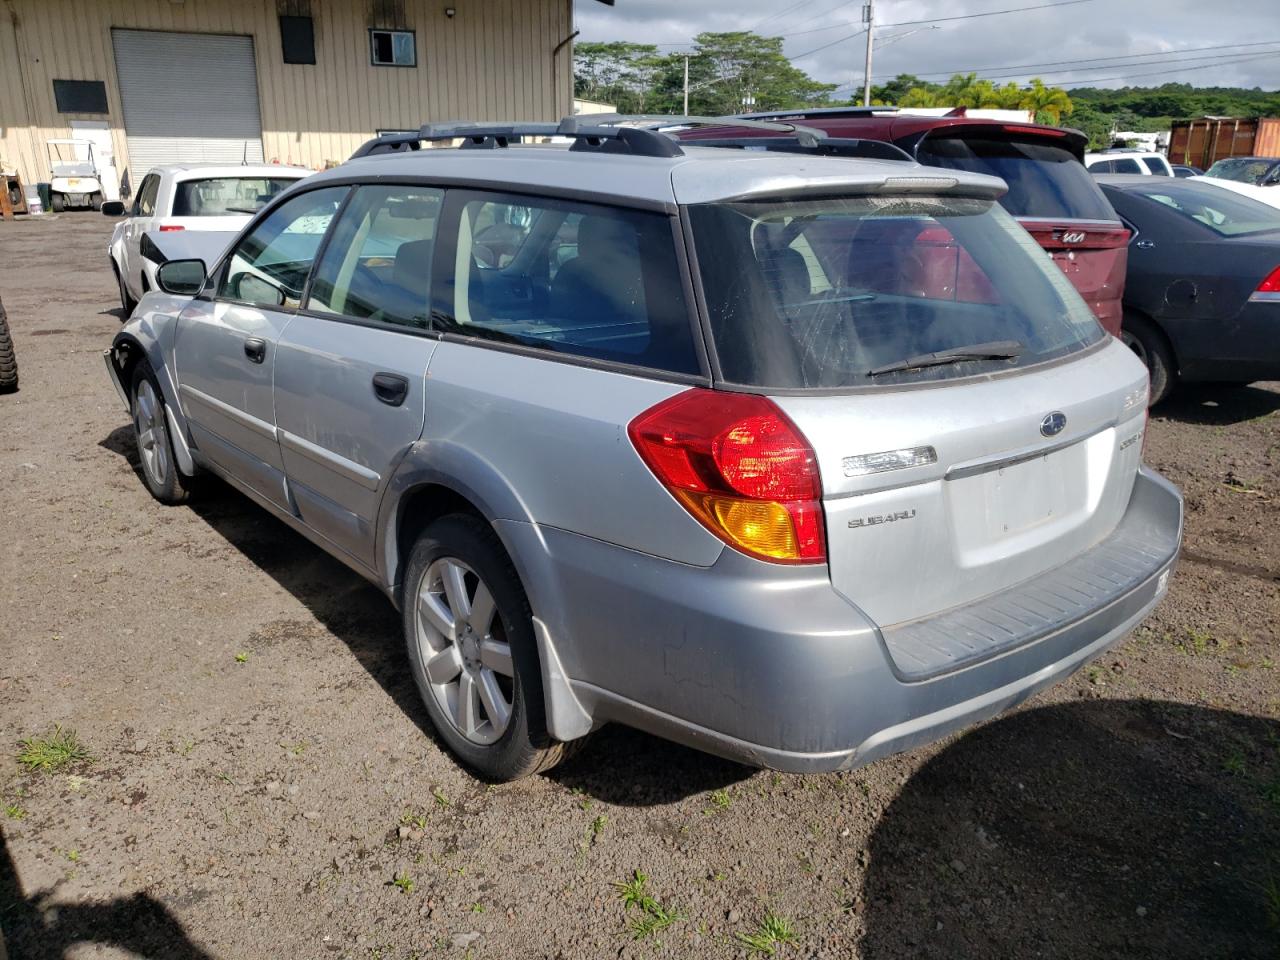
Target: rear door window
{"x": 1045, "y": 180}
{"x": 570, "y": 278}
{"x": 377, "y": 265}
{"x": 1125, "y": 165}
{"x": 1158, "y": 166}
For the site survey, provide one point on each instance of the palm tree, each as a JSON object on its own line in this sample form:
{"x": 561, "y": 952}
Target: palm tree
{"x": 1051, "y": 100}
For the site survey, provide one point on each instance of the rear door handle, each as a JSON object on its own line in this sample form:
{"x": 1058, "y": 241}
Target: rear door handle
{"x": 390, "y": 388}
{"x": 255, "y": 348}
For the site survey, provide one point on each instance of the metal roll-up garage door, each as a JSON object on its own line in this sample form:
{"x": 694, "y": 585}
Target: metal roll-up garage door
{"x": 188, "y": 98}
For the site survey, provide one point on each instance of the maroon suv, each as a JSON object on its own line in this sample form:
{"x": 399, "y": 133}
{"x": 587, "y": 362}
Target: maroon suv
{"x": 1050, "y": 192}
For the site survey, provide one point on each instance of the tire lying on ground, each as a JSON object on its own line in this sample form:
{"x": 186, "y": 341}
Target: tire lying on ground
{"x": 8, "y": 362}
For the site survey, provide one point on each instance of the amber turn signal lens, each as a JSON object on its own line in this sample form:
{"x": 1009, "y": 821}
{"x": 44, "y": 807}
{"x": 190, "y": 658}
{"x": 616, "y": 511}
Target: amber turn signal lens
{"x": 761, "y": 527}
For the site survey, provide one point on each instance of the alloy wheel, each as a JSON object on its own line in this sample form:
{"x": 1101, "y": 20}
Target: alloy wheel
{"x": 153, "y": 437}
{"x": 463, "y": 650}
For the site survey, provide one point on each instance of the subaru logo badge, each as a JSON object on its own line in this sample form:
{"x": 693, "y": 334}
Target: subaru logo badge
{"x": 1053, "y": 423}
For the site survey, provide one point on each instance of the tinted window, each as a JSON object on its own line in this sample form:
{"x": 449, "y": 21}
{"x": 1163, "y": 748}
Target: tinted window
{"x": 1158, "y": 166}
{"x": 1222, "y": 211}
{"x": 1100, "y": 166}
{"x": 1241, "y": 169}
{"x": 377, "y": 266}
{"x": 818, "y": 293}
{"x": 1125, "y": 165}
{"x": 1044, "y": 180}
{"x": 225, "y": 196}
{"x": 572, "y": 278}
{"x": 269, "y": 266}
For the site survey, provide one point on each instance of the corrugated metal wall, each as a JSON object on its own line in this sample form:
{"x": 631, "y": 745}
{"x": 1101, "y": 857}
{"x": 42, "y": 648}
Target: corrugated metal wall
{"x": 492, "y": 60}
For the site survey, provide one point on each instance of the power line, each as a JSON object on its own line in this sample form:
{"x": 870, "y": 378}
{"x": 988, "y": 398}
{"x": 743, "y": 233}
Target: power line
{"x": 1059, "y": 63}
{"x": 780, "y": 13}
{"x": 967, "y": 16}
{"x": 810, "y": 53}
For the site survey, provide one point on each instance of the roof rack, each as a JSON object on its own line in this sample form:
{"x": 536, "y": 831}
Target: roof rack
{"x": 827, "y": 112}
{"x": 637, "y": 141}
{"x": 830, "y": 147}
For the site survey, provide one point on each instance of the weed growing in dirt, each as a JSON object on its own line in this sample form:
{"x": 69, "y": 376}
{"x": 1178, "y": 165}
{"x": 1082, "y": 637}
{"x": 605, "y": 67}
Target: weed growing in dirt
{"x": 1199, "y": 639}
{"x": 242, "y": 656}
{"x": 770, "y": 933}
{"x": 52, "y": 752}
{"x": 14, "y": 812}
{"x": 416, "y": 820}
{"x": 477, "y": 908}
{"x": 403, "y": 882}
{"x": 441, "y": 799}
{"x": 73, "y": 855}
{"x": 1233, "y": 763}
{"x": 598, "y": 825}
{"x": 651, "y": 917}
{"x": 721, "y": 800}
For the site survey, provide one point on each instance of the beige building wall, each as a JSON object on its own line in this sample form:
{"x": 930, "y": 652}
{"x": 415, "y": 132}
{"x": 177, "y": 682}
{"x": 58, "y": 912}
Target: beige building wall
{"x": 492, "y": 60}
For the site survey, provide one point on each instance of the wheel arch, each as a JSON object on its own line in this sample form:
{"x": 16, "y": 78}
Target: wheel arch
{"x": 1159, "y": 328}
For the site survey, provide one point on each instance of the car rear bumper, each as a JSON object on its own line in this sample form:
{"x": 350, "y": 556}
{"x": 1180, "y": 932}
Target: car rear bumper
{"x": 770, "y": 666}
{"x": 1241, "y": 349}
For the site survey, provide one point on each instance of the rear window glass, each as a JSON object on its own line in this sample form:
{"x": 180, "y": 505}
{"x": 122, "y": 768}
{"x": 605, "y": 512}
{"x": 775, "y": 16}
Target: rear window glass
{"x": 225, "y": 196}
{"x": 1241, "y": 169}
{"x": 1219, "y": 209}
{"x": 1044, "y": 180}
{"x": 821, "y": 293}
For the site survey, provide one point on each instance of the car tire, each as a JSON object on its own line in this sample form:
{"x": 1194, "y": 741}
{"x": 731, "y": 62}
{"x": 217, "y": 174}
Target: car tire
{"x": 476, "y": 664}
{"x": 95, "y": 201}
{"x": 8, "y": 361}
{"x": 126, "y": 301}
{"x": 151, "y": 433}
{"x": 1147, "y": 341}
{"x": 57, "y": 203}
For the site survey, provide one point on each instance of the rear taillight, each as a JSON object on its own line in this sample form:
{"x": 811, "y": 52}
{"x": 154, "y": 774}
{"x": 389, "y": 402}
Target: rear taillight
{"x": 743, "y": 470}
{"x": 170, "y": 227}
{"x": 1271, "y": 284}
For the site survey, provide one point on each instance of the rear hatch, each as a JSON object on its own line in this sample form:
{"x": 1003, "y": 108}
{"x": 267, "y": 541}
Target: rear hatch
{"x": 1053, "y": 197}
{"x": 944, "y": 479}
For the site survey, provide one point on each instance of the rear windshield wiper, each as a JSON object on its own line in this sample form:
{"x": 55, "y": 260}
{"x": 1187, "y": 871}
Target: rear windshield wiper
{"x": 995, "y": 350}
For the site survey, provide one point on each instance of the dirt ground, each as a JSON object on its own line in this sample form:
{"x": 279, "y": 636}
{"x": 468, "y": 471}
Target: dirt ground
{"x": 262, "y": 771}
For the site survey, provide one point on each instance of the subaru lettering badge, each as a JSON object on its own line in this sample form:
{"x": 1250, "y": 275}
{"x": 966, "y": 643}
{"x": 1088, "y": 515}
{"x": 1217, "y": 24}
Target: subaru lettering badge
{"x": 1053, "y": 423}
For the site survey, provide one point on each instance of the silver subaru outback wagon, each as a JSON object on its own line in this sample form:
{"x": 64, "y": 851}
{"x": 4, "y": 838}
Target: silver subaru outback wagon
{"x": 798, "y": 460}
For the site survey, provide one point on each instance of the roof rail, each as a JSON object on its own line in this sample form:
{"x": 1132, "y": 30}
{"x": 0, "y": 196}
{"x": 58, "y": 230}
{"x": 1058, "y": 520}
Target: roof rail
{"x": 806, "y": 136}
{"x": 636, "y": 141}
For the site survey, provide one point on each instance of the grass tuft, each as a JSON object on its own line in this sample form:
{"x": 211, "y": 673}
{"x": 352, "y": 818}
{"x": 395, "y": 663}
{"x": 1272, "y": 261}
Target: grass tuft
{"x": 403, "y": 881}
{"x": 651, "y": 917}
{"x": 770, "y": 933}
{"x": 52, "y": 752}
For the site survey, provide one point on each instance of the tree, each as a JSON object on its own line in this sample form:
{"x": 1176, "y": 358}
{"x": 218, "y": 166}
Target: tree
{"x": 620, "y": 73}
{"x": 918, "y": 97}
{"x": 1052, "y": 101}
{"x": 895, "y": 89}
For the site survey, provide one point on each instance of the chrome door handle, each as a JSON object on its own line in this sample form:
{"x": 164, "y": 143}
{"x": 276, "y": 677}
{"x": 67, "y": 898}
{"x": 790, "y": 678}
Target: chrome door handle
{"x": 390, "y": 388}
{"x": 255, "y": 348}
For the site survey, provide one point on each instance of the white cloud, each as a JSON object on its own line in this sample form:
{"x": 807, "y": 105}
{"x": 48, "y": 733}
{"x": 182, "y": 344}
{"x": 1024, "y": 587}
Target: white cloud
{"x": 1083, "y": 31}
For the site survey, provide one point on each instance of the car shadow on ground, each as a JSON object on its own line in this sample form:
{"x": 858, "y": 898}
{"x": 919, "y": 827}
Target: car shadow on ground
{"x": 616, "y": 765}
{"x": 1217, "y": 405}
{"x": 35, "y": 928}
{"x": 1125, "y": 828}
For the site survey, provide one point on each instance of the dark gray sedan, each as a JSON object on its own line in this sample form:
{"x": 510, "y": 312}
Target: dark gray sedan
{"x": 1202, "y": 291}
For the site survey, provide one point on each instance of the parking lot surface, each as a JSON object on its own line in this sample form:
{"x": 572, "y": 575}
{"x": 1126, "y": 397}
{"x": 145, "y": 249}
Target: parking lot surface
{"x": 263, "y": 781}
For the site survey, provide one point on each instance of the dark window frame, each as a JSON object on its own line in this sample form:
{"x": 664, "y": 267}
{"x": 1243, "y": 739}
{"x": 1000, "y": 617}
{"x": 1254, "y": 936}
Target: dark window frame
{"x": 298, "y": 40}
{"x": 81, "y": 96}
{"x": 374, "y": 61}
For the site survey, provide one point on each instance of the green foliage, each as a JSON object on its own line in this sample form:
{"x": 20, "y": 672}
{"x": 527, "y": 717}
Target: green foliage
{"x": 770, "y": 933}
{"x": 53, "y": 751}
{"x": 651, "y": 917}
{"x": 970, "y": 90}
{"x": 728, "y": 72}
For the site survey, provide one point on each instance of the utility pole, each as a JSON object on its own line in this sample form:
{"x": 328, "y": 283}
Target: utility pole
{"x": 686, "y": 87}
{"x": 868, "y": 14}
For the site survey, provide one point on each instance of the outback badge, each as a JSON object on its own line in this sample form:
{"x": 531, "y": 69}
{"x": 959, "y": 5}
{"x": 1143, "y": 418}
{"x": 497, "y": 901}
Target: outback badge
{"x": 1053, "y": 423}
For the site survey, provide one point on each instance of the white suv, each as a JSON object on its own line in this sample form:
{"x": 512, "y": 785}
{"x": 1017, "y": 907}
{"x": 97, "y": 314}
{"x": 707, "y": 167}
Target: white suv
{"x": 179, "y": 198}
{"x": 1128, "y": 161}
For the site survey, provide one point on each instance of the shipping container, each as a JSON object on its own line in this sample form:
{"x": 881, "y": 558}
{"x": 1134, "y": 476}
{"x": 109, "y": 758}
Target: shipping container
{"x": 1205, "y": 141}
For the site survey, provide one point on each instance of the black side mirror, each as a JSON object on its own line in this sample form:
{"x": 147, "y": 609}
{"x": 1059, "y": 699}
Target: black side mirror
{"x": 113, "y": 208}
{"x": 183, "y": 278}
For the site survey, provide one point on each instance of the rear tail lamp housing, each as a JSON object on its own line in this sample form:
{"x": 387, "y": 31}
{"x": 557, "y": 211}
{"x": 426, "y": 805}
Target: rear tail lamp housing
{"x": 741, "y": 468}
{"x": 1269, "y": 289}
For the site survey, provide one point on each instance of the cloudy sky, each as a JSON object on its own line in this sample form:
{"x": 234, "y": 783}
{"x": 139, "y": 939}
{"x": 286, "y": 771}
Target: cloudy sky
{"x": 1078, "y": 43}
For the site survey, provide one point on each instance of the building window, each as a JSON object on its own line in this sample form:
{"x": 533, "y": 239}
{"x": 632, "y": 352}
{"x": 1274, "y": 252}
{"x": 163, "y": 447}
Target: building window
{"x": 298, "y": 39}
{"x": 80, "y": 96}
{"x": 393, "y": 48}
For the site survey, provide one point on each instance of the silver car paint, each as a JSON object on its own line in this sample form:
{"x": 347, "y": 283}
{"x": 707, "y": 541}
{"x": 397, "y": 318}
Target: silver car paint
{"x": 641, "y": 615}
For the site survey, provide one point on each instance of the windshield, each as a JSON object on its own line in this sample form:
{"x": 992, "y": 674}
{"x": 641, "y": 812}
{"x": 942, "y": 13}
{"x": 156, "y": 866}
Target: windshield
{"x": 1225, "y": 213}
{"x": 226, "y": 196}
{"x": 1241, "y": 169}
{"x": 1044, "y": 180}
{"x": 820, "y": 293}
